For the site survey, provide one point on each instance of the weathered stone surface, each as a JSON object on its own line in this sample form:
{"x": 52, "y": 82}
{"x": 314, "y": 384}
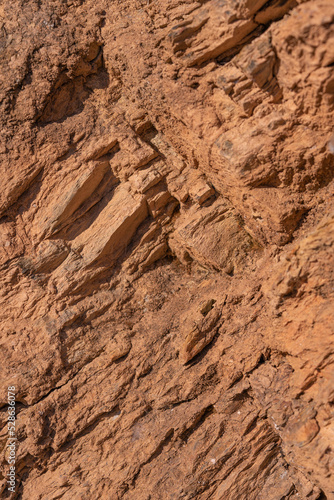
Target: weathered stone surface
{"x": 218, "y": 224}
{"x": 166, "y": 248}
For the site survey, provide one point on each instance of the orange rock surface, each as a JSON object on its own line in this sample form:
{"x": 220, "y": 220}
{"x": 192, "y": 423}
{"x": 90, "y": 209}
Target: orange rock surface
{"x": 166, "y": 248}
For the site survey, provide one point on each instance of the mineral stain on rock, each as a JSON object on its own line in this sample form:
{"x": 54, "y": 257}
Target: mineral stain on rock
{"x": 166, "y": 249}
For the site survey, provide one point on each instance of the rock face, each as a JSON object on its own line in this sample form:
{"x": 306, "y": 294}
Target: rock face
{"x": 166, "y": 251}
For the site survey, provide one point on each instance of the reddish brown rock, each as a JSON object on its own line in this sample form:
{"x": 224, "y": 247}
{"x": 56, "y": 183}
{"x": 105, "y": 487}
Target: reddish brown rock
{"x": 166, "y": 249}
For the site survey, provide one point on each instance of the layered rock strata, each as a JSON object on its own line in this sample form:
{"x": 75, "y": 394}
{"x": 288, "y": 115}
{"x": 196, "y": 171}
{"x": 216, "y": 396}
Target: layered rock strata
{"x": 166, "y": 248}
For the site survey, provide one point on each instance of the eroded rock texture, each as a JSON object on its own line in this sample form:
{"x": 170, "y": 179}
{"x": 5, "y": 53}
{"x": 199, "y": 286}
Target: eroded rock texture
{"x": 167, "y": 236}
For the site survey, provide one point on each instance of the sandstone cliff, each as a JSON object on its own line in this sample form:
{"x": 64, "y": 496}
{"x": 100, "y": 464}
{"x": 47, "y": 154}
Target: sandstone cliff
{"x": 166, "y": 248}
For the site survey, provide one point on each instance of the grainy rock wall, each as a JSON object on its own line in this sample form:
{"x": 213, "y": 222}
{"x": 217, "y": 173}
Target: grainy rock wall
{"x": 166, "y": 248}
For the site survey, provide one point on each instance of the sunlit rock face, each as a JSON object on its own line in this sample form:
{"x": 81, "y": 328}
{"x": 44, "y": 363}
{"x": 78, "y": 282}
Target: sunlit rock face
{"x": 166, "y": 249}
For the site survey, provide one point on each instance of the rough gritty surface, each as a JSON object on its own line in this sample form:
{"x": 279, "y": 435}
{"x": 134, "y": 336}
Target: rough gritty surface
{"x": 166, "y": 248}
